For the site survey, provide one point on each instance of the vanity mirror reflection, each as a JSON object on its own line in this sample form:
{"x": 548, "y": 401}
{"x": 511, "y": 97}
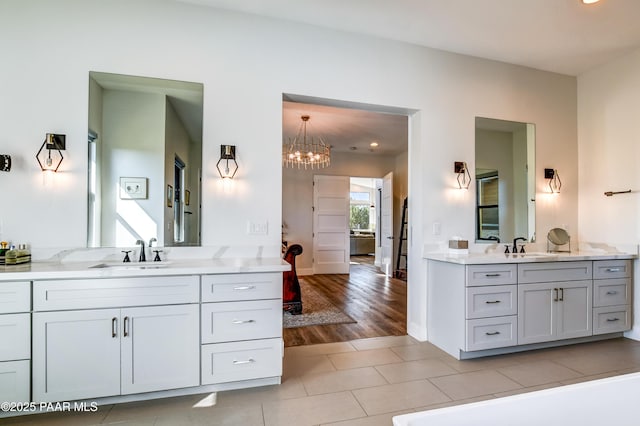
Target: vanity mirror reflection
{"x": 505, "y": 180}
{"x": 145, "y": 161}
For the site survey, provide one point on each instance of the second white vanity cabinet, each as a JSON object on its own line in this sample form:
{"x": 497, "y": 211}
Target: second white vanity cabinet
{"x": 484, "y": 309}
{"x": 114, "y": 350}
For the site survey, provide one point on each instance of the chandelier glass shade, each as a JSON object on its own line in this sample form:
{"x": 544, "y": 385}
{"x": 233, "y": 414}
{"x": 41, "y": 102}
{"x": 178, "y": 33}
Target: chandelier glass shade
{"x": 305, "y": 151}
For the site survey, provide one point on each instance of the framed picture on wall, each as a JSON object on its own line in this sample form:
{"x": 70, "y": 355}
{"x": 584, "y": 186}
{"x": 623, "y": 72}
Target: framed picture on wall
{"x": 133, "y": 188}
{"x": 169, "y": 196}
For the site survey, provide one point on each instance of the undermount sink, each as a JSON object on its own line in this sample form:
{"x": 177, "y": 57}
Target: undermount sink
{"x": 131, "y": 265}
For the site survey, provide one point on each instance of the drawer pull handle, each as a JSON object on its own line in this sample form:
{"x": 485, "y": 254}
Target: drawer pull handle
{"x": 245, "y": 287}
{"x": 613, "y": 319}
{"x": 613, "y": 269}
{"x": 126, "y": 327}
{"x": 555, "y": 294}
{"x": 248, "y": 361}
{"x": 492, "y": 275}
{"x": 612, "y": 292}
{"x": 561, "y": 294}
{"x": 242, "y": 321}
{"x": 492, "y": 333}
{"x": 492, "y": 301}
{"x": 114, "y": 327}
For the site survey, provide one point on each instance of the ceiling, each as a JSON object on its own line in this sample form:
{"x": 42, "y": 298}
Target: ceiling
{"x": 347, "y": 129}
{"x": 563, "y": 36}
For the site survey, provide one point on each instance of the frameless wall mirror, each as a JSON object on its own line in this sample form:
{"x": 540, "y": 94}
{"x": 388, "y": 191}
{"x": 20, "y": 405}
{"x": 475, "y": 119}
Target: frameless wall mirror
{"x": 505, "y": 180}
{"x": 145, "y": 161}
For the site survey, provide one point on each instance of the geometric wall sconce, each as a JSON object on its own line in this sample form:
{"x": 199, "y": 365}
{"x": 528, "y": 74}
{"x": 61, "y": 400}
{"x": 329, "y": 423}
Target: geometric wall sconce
{"x": 5, "y": 163}
{"x": 554, "y": 180}
{"x": 463, "y": 175}
{"x": 228, "y": 169}
{"x": 49, "y": 155}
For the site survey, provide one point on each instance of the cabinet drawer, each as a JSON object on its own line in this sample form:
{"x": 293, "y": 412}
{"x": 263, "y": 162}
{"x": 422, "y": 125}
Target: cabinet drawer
{"x": 15, "y": 296}
{"x": 230, "y": 362}
{"x": 15, "y": 380}
{"x": 554, "y": 271}
{"x": 500, "y": 274}
{"x": 231, "y": 287}
{"x": 611, "y": 269}
{"x": 234, "y": 321}
{"x": 611, "y": 292}
{"x": 115, "y": 292}
{"x": 489, "y": 333}
{"x": 611, "y": 319}
{"x": 15, "y": 335}
{"x": 492, "y": 301}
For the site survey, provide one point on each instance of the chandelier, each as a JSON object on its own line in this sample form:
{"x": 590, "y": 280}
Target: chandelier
{"x": 308, "y": 153}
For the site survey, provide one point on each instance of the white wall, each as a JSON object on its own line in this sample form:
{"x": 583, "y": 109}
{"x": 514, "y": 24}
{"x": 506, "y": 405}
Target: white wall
{"x": 246, "y": 63}
{"x": 609, "y": 155}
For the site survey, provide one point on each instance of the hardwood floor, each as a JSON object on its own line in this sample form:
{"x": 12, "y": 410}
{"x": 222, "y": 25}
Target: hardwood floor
{"x": 378, "y": 304}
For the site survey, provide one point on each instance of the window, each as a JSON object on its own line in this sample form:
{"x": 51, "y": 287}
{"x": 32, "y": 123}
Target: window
{"x": 362, "y": 214}
{"x": 487, "y": 211}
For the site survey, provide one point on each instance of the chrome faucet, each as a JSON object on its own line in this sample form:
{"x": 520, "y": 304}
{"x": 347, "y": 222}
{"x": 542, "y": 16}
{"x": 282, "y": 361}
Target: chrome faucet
{"x": 143, "y": 256}
{"x": 515, "y": 245}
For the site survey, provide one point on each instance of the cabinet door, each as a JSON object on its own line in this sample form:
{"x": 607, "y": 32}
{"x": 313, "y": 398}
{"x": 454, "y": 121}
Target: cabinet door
{"x": 574, "y": 309}
{"x": 535, "y": 313}
{"x": 160, "y": 348}
{"x": 76, "y": 355}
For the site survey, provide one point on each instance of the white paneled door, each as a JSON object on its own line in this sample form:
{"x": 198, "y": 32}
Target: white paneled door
{"x": 386, "y": 224}
{"x": 330, "y": 224}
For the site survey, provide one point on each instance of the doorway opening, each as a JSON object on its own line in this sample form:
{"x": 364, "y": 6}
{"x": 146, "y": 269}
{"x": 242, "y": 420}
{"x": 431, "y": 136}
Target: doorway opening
{"x": 369, "y": 165}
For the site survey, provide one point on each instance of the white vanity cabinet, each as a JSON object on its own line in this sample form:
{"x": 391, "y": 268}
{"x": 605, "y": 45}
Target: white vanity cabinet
{"x": 121, "y": 345}
{"x": 611, "y": 296}
{"x": 486, "y": 309}
{"x": 15, "y": 341}
{"x": 241, "y": 322}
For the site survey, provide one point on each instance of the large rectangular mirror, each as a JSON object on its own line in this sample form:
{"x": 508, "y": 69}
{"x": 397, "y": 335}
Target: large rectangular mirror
{"x": 145, "y": 161}
{"x": 505, "y": 180}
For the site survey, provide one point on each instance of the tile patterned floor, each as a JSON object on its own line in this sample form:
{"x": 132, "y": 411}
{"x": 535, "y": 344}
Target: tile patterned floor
{"x": 366, "y": 382}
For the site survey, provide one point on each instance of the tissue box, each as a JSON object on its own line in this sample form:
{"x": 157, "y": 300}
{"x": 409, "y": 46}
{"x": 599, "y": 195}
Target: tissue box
{"x": 458, "y": 244}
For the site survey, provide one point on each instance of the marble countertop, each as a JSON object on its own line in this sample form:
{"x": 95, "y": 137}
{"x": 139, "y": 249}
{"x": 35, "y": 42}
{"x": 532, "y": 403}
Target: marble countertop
{"x": 489, "y": 258}
{"x": 43, "y": 270}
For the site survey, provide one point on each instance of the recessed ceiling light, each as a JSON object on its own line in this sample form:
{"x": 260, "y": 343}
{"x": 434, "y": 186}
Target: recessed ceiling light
{"x": 373, "y": 144}
{"x": 590, "y": 1}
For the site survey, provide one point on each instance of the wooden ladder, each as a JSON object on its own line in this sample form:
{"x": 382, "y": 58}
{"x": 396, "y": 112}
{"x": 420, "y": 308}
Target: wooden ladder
{"x": 402, "y": 247}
